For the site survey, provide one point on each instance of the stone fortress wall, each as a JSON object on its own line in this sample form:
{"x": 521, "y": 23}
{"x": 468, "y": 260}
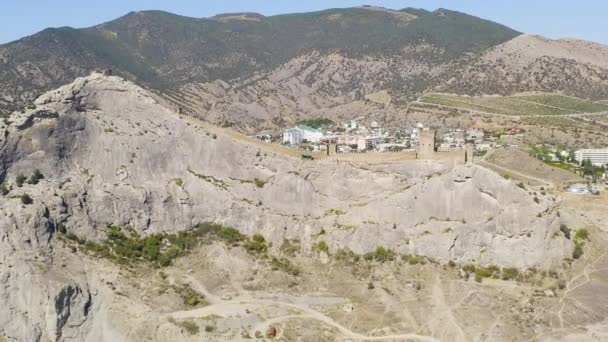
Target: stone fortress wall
{"x": 426, "y": 149}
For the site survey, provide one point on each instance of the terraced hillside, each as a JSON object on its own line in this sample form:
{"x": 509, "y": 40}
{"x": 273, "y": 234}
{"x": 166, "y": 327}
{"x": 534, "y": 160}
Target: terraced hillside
{"x": 536, "y": 104}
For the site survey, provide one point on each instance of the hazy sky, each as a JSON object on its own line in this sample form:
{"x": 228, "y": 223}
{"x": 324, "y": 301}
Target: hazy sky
{"x": 584, "y": 19}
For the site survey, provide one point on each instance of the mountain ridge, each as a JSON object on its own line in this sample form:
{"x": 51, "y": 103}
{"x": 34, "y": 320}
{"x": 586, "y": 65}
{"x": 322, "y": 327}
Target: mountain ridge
{"x": 404, "y": 56}
{"x": 163, "y": 50}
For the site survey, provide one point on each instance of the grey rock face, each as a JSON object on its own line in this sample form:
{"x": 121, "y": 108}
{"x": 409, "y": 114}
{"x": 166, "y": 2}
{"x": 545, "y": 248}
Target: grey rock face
{"x": 111, "y": 154}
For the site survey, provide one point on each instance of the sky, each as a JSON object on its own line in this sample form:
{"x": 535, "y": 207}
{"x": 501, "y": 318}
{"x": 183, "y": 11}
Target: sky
{"x": 583, "y": 19}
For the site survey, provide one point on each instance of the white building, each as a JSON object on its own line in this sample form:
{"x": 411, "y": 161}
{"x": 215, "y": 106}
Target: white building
{"x": 311, "y": 134}
{"x": 297, "y": 135}
{"x": 292, "y": 136}
{"x": 597, "y": 156}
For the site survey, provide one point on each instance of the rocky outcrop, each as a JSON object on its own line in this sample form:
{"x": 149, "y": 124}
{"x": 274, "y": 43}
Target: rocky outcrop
{"x": 70, "y": 311}
{"x": 110, "y": 154}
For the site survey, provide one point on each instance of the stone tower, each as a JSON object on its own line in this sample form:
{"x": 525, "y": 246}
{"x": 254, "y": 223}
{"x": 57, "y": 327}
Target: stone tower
{"x": 426, "y": 144}
{"x": 468, "y": 156}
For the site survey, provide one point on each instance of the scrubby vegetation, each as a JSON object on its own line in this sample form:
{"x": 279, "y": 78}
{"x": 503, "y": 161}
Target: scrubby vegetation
{"x": 579, "y": 242}
{"x": 257, "y": 245}
{"x": 189, "y": 295}
{"x": 413, "y": 259}
{"x": 333, "y": 211}
{"x": 346, "y": 255}
{"x": 290, "y": 247}
{"x": 283, "y": 264}
{"x": 190, "y": 326}
{"x": 381, "y": 254}
{"x": 316, "y": 122}
{"x": 125, "y": 246}
{"x": 210, "y": 179}
{"x": 36, "y": 177}
{"x": 495, "y": 272}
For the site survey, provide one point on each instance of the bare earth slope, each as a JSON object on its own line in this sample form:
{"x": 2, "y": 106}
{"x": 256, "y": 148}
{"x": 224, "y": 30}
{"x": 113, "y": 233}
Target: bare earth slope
{"x": 534, "y": 63}
{"x": 111, "y": 154}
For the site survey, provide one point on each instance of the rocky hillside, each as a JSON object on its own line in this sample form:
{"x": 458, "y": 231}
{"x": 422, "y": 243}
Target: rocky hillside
{"x": 533, "y": 63}
{"x": 108, "y": 153}
{"x": 166, "y": 51}
{"x": 257, "y": 72}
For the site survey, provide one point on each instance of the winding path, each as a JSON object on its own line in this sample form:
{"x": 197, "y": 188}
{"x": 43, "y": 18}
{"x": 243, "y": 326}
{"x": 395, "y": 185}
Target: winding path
{"x": 230, "y": 307}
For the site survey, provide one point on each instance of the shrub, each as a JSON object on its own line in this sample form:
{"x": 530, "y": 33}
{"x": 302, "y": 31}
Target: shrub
{"x": 178, "y": 181}
{"x": 290, "y": 247}
{"x": 564, "y": 229}
{"x": 4, "y": 189}
{"x": 259, "y": 182}
{"x": 346, "y": 255}
{"x": 321, "y": 246}
{"x": 469, "y": 268}
{"x": 521, "y": 185}
{"x": 333, "y": 211}
{"x": 36, "y": 177}
{"x": 582, "y": 234}
{"x": 191, "y": 327}
{"x": 381, "y": 254}
{"x": 509, "y": 273}
{"x": 285, "y": 265}
{"x": 257, "y": 245}
{"x": 483, "y": 273}
{"x": 231, "y": 234}
{"x": 536, "y": 200}
{"x": 413, "y": 259}
{"x": 26, "y": 199}
{"x": 20, "y": 180}
{"x": 189, "y": 296}
{"x": 209, "y": 328}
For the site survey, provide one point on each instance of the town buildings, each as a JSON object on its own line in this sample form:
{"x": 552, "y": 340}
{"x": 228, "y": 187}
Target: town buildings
{"x": 353, "y": 136}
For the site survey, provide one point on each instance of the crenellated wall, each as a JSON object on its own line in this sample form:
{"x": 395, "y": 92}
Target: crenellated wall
{"x": 426, "y": 148}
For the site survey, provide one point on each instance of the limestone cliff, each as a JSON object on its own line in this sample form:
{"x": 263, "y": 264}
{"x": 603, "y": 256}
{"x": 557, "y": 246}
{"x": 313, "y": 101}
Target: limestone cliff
{"x": 110, "y": 154}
